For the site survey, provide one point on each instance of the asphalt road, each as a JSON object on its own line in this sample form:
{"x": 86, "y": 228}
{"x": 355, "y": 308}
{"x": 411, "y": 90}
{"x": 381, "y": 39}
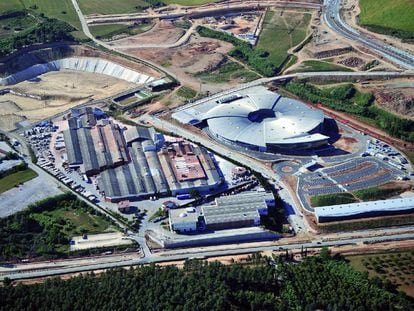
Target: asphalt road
{"x": 334, "y": 19}
{"x": 15, "y": 275}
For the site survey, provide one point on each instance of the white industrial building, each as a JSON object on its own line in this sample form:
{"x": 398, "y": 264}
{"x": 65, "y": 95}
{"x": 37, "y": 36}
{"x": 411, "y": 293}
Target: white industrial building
{"x": 364, "y": 209}
{"x": 183, "y": 220}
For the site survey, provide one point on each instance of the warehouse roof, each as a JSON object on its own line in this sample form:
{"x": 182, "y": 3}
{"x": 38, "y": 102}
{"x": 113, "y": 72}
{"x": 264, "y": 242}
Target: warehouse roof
{"x": 137, "y": 133}
{"x": 235, "y": 208}
{"x": 344, "y": 210}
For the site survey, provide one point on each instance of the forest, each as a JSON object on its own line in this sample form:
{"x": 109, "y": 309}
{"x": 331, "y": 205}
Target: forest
{"x": 319, "y": 282}
{"x": 347, "y": 99}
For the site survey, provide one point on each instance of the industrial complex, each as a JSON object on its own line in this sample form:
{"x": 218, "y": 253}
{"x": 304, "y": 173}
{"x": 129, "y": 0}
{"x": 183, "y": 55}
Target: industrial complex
{"x": 136, "y": 162}
{"x": 194, "y": 135}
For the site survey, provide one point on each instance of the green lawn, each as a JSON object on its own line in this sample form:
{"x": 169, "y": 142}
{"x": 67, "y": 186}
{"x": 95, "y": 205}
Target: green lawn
{"x": 386, "y": 14}
{"x": 15, "y": 179}
{"x": 228, "y": 72}
{"x": 315, "y": 65}
{"x": 280, "y": 33}
{"x": 332, "y": 199}
{"x": 397, "y": 268}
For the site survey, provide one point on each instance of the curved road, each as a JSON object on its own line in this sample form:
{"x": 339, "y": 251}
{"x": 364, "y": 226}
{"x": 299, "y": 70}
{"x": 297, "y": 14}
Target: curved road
{"x": 334, "y": 20}
{"x": 86, "y": 31}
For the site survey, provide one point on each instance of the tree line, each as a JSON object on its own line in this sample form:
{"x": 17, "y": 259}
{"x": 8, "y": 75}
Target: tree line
{"x": 244, "y": 51}
{"x": 318, "y": 282}
{"x": 347, "y": 99}
{"x": 47, "y": 30}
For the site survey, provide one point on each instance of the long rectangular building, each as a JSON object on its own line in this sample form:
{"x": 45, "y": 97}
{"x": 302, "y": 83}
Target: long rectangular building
{"x": 242, "y": 210}
{"x": 96, "y": 148}
{"x": 364, "y": 209}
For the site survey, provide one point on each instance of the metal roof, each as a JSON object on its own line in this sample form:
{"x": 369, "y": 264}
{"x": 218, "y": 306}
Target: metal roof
{"x": 352, "y": 209}
{"x": 137, "y": 133}
{"x": 262, "y": 117}
{"x": 235, "y": 208}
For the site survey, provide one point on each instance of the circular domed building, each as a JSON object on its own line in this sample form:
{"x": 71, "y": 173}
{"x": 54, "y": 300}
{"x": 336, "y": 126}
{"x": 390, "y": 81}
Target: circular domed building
{"x": 265, "y": 121}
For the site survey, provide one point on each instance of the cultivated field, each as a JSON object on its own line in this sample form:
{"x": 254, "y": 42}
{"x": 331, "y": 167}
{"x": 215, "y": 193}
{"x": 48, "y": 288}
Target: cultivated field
{"x": 397, "y": 267}
{"x": 282, "y": 32}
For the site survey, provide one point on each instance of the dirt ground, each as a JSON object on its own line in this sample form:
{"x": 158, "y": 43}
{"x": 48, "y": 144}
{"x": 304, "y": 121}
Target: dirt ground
{"x": 61, "y": 90}
{"x": 395, "y": 97}
{"x": 199, "y": 54}
{"x": 99, "y": 240}
{"x": 164, "y": 32}
{"x": 247, "y": 23}
{"x": 348, "y": 144}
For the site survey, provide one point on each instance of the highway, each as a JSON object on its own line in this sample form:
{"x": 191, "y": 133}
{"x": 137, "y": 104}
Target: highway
{"x": 213, "y": 9}
{"x": 16, "y": 275}
{"x": 334, "y": 20}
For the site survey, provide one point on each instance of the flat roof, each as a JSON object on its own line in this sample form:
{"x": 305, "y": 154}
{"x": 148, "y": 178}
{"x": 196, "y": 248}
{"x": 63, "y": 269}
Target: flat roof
{"x": 181, "y": 215}
{"x": 365, "y": 207}
{"x": 235, "y": 208}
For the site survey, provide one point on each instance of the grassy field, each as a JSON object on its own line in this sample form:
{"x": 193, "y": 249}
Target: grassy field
{"x": 10, "y": 5}
{"x": 370, "y": 194}
{"x": 397, "y": 268}
{"x": 189, "y": 2}
{"x": 228, "y": 72}
{"x": 77, "y": 221}
{"x": 332, "y": 199}
{"x": 186, "y": 92}
{"x": 14, "y": 25}
{"x": 112, "y": 7}
{"x": 62, "y": 9}
{"x": 280, "y": 33}
{"x": 15, "y": 179}
{"x": 394, "y": 15}
{"x": 315, "y": 65}
{"x": 109, "y": 31}
{"x": 46, "y": 227}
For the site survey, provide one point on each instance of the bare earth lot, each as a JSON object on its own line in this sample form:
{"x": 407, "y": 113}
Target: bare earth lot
{"x": 163, "y": 32}
{"x": 62, "y": 90}
{"x": 199, "y": 54}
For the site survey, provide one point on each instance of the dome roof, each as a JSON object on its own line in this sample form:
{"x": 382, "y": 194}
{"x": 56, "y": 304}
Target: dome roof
{"x": 264, "y": 118}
